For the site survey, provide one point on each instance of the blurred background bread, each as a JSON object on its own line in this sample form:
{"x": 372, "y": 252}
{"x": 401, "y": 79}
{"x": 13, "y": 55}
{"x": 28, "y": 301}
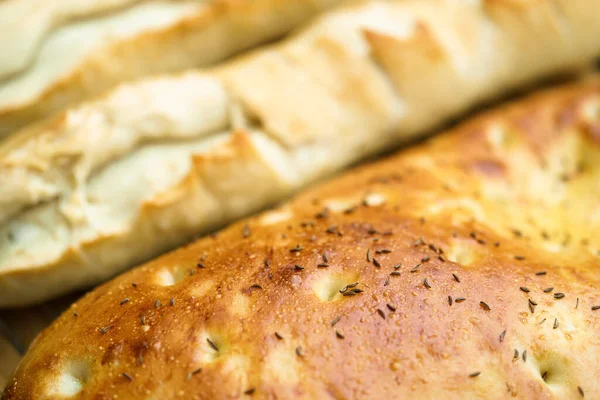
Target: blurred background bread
{"x": 462, "y": 268}
{"x": 59, "y": 52}
{"x": 149, "y": 165}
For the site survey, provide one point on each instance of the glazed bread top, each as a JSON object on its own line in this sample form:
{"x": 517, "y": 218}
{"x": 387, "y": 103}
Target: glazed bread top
{"x": 143, "y": 169}
{"x": 56, "y": 53}
{"x": 466, "y": 267}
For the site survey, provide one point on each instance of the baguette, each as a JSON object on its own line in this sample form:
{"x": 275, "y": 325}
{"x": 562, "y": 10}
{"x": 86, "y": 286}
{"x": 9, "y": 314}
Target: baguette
{"x": 464, "y": 268}
{"x": 57, "y": 53}
{"x": 118, "y": 180}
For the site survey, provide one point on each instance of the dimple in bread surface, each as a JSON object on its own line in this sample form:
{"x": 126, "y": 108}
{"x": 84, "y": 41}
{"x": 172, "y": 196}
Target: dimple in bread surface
{"x": 465, "y": 267}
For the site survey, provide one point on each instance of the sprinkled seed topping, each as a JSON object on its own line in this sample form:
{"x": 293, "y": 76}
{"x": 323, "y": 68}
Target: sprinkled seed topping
{"x": 391, "y": 307}
{"x": 548, "y": 290}
{"x": 249, "y": 392}
{"x": 425, "y": 259}
{"x": 299, "y": 351}
{"x": 278, "y": 336}
{"x": 105, "y": 329}
{"x": 212, "y": 344}
{"x": 460, "y": 299}
{"x": 296, "y": 249}
{"x": 157, "y": 303}
{"x": 555, "y": 323}
{"x": 542, "y": 321}
{"x": 172, "y": 301}
{"x": 450, "y": 300}
{"x": 540, "y": 273}
{"x": 143, "y": 320}
{"x": 594, "y": 308}
{"x": 324, "y": 214}
{"x": 369, "y": 259}
{"x": 322, "y": 265}
{"x": 127, "y": 376}
{"x": 475, "y": 374}
{"x": 426, "y": 283}
{"x": 298, "y": 267}
{"x": 332, "y": 229}
{"x": 559, "y": 295}
{"x": 134, "y": 284}
{"x": 519, "y": 258}
{"x": 383, "y": 251}
{"x": 397, "y": 266}
{"x": 484, "y": 305}
{"x": 376, "y": 263}
{"x": 124, "y": 301}
{"x": 456, "y": 278}
{"x": 395, "y": 273}
{"x": 502, "y": 335}
{"x": 194, "y": 372}
{"x": 256, "y": 286}
{"x": 524, "y": 289}
{"x": 246, "y": 231}
{"x": 416, "y": 268}
{"x": 387, "y": 281}
{"x": 544, "y": 376}
{"x": 531, "y": 308}
{"x": 525, "y": 355}
{"x": 532, "y": 302}
{"x": 200, "y": 265}
{"x": 325, "y": 258}
{"x": 580, "y": 390}
{"x": 577, "y": 303}
{"x": 381, "y": 313}
{"x": 339, "y": 334}
{"x": 336, "y": 320}
{"x": 516, "y": 355}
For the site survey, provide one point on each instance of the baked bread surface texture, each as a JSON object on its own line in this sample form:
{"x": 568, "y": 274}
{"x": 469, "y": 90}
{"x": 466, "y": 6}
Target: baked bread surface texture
{"x": 464, "y": 268}
{"x": 143, "y": 169}
{"x": 57, "y": 53}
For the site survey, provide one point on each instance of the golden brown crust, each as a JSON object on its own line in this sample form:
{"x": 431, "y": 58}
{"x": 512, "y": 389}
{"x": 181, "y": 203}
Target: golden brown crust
{"x": 476, "y": 256}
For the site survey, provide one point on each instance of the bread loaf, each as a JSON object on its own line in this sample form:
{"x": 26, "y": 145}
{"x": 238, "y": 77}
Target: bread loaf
{"x": 464, "y": 268}
{"x": 120, "y": 179}
{"x": 56, "y": 53}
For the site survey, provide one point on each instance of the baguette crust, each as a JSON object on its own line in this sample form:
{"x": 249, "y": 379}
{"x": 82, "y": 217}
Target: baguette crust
{"x": 35, "y": 82}
{"x": 476, "y": 255}
{"x": 82, "y": 197}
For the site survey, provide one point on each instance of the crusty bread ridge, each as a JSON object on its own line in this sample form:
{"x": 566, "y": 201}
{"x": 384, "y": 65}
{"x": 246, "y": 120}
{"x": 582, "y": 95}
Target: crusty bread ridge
{"x": 464, "y": 268}
{"x": 57, "y": 53}
{"x": 118, "y": 180}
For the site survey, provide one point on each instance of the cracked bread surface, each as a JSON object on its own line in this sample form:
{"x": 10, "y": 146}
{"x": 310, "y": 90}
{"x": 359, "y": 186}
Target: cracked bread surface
{"x": 57, "y": 53}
